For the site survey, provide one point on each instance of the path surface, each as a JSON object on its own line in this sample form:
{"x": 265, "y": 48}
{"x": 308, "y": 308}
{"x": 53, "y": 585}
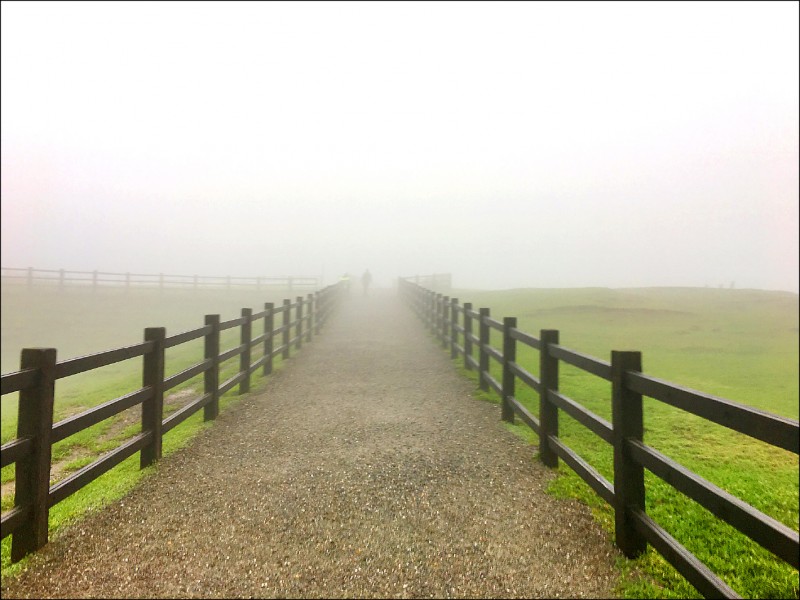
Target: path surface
{"x": 364, "y": 468}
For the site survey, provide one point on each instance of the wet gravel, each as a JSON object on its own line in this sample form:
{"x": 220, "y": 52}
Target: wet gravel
{"x": 364, "y": 468}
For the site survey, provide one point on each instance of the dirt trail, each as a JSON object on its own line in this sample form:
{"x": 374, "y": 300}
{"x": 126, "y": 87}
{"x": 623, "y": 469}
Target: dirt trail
{"x": 365, "y": 468}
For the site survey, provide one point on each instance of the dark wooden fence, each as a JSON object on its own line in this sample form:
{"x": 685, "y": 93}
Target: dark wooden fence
{"x": 452, "y": 323}
{"x": 438, "y": 282}
{"x": 35, "y": 381}
{"x": 95, "y": 279}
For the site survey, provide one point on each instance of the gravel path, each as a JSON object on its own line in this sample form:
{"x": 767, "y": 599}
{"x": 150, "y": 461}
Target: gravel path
{"x": 364, "y": 468}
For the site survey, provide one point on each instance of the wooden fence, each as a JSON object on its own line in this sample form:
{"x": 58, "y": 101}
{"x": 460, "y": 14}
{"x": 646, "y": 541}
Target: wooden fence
{"x": 27, "y": 521}
{"x": 438, "y": 282}
{"x": 95, "y": 279}
{"x": 452, "y": 323}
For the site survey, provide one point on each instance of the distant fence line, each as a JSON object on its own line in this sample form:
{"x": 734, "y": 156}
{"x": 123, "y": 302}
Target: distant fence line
{"x": 436, "y": 282}
{"x": 31, "y": 450}
{"x": 454, "y": 325}
{"x": 61, "y": 277}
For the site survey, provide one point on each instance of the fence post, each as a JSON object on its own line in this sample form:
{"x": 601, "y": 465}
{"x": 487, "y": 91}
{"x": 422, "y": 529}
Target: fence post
{"x": 317, "y": 315}
{"x": 211, "y": 376}
{"x": 628, "y": 423}
{"x": 310, "y": 317}
{"x": 483, "y": 356}
{"x": 30, "y": 277}
{"x": 453, "y": 328}
{"x": 244, "y": 358}
{"x": 467, "y": 335}
{"x": 287, "y": 310}
{"x": 153, "y": 408}
{"x": 509, "y": 356}
{"x": 548, "y": 412}
{"x": 35, "y": 421}
{"x": 445, "y": 320}
{"x": 290, "y": 285}
{"x": 433, "y": 311}
{"x": 269, "y": 326}
{"x": 436, "y": 322}
{"x": 299, "y": 329}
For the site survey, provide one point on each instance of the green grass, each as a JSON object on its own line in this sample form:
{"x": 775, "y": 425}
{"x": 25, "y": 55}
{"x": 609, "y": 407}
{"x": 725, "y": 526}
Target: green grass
{"x": 107, "y": 321}
{"x": 738, "y": 344}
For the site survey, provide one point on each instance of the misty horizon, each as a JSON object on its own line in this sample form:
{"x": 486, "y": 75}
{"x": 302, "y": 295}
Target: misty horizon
{"x": 513, "y": 145}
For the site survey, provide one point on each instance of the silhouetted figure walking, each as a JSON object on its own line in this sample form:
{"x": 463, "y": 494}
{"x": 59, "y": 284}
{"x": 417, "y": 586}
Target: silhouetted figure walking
{"x": 366, "y": 279}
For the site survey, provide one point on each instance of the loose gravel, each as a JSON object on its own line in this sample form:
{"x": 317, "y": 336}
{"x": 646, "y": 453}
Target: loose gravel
{"x": 363, "y": 468}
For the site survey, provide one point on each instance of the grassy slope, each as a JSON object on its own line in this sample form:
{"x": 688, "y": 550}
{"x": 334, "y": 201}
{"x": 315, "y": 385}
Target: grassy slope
{"x": 739, "y": 344}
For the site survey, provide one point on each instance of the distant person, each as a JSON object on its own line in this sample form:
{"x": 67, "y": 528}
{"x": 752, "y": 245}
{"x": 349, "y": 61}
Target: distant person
{"x": 366, "y": 279}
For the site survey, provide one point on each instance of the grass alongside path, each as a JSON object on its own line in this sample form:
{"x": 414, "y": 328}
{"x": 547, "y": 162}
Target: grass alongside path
{"x": 738, "y": 344}
{"x": 364, "y": 468}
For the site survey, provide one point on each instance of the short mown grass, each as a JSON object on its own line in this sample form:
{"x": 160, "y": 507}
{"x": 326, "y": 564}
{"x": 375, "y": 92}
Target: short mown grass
{"x": 738, "y": 344}
{"x": 94, "y": 318}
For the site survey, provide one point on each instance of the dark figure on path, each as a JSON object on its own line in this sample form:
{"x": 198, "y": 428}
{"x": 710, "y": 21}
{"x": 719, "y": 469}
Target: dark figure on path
{"x": 366, "y": 279}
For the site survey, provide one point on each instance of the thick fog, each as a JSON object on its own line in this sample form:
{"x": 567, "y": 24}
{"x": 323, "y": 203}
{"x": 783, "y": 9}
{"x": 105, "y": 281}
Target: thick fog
{"x": 510, "y": 144}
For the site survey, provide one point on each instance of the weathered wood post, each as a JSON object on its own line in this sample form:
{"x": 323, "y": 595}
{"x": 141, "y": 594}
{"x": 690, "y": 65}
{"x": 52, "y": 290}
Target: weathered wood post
{"x": 34, "y": 421}
{"x": 435, "y": 311}
{"x": 310, "y": 317}
{"x": 318, "y": 300}
{"x": 211, "y": 376}
{"x": 299, "y": 326}
{"x": 246, "y": 335}
{"x": 548, "y": 412}
{"x": 436, "y": 315}
{"x": 467, "y": 335}
{"x": 453, "y": 328}
{"x": 153, "y": 407}
{"x": 483, "y": 356}
{"x": 628, "y": 423}
{"x": 509, "y": 356}
{"x": 269, "y": 326}
{"x": 287, "y": 312}
{"x": 445, "y": 330}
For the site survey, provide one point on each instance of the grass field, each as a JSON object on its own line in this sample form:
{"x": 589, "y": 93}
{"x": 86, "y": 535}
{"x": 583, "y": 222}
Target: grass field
{"x": 738, "y": 344}
{"x": 78, "y": 322}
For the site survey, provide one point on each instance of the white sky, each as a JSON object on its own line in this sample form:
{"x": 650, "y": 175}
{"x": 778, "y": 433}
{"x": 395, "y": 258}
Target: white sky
{"x": 512, "y": 144}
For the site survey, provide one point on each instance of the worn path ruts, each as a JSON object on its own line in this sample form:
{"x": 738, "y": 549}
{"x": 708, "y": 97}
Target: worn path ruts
{"x": 363, "y": 468}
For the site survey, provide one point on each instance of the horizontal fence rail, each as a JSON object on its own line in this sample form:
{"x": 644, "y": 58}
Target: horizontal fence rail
{"x": 451, "y": 324}
{"x": 96, "y": 279}
{"x": 31, "y": 450}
